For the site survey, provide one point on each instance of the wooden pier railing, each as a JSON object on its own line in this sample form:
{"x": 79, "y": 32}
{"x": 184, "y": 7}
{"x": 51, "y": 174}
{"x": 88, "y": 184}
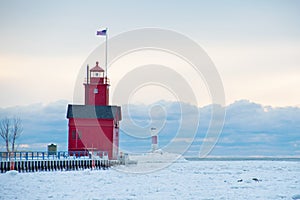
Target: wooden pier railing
{"x": 49, "y": 161}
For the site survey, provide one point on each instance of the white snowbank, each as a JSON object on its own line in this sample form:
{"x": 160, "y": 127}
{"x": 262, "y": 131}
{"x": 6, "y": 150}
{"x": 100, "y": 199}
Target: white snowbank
{"x": 150, "y": 162}
{"x": 184, "y": 180}
{"x": 297, "y": 196}
{"x": 12, "y": 172}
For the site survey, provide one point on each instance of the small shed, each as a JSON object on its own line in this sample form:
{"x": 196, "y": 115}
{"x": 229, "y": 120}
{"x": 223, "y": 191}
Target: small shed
{"x": 52, "y": 149}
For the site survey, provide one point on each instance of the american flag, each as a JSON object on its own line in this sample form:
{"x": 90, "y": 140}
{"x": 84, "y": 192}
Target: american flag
{"x": 103, "y": 32}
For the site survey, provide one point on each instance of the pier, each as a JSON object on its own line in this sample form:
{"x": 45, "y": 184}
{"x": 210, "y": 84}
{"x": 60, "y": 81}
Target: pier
{"x": 58, "y": 161}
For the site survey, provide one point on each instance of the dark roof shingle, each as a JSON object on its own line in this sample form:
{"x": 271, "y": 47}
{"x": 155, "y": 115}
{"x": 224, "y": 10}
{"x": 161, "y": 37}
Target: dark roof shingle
{"x": 94, "y": 112}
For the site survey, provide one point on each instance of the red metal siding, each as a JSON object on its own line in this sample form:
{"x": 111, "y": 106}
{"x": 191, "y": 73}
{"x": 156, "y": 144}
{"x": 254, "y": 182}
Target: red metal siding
{"x": 99, "y": 99}
{"x": 95, "y": 134}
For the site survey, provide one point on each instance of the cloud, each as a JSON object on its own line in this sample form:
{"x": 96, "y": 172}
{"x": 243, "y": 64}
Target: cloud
{"x": 42, "y": 124}
{"x": 249, "y": 129}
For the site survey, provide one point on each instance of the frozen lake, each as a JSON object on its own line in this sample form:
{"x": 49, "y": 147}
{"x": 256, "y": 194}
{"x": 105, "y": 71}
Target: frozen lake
{"x": 183, "y": 180}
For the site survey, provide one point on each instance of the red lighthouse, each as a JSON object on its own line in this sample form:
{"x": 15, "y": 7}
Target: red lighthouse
{"x": 95, "y": 125}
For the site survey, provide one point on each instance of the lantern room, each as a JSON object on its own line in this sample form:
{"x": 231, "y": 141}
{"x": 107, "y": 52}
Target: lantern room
{"x": 96, "y": 87}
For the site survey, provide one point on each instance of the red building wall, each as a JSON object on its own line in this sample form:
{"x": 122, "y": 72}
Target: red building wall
{"x": 93, "y": 135}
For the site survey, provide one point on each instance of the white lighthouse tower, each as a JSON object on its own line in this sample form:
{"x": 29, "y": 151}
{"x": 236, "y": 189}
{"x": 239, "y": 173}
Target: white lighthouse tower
{"x": 154, "y": 145}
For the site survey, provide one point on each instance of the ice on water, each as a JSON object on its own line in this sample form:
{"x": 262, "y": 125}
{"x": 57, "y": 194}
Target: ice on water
{"x": 180, "y": 180}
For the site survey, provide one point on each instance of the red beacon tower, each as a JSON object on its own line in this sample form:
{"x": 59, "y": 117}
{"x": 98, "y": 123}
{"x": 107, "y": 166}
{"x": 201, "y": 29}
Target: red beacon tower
{"x": 96, "y": 87}
{"x": 95, "y": 125}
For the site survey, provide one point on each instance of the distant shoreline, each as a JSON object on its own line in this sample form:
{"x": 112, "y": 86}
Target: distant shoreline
{"x": 294, "y": 159}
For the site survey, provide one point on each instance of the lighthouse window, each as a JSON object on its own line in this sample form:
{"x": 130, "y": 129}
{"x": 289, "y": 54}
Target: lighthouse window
{"x": 96, "y": 74}
{"x": 73, "y": 134}
{"x": 96, "y": 91}
{"x": 78, "y": 136}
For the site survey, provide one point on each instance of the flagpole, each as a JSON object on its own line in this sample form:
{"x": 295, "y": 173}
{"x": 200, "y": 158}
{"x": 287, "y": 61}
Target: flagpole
{"x": 106, "y": 35}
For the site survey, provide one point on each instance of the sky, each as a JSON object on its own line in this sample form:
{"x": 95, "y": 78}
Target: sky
{"x": 255, "y": 46}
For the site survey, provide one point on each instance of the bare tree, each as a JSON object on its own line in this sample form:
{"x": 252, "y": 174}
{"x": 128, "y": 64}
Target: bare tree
{"x": 10, "y": 131}
{"x": 15, "y": 132}
{"x": 5, "y": 131}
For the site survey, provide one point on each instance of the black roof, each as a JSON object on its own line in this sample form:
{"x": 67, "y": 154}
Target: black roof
{"x": 94, "y": 112}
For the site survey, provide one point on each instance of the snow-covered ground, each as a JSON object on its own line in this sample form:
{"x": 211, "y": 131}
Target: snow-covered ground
{"x": 182, "y": 180}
